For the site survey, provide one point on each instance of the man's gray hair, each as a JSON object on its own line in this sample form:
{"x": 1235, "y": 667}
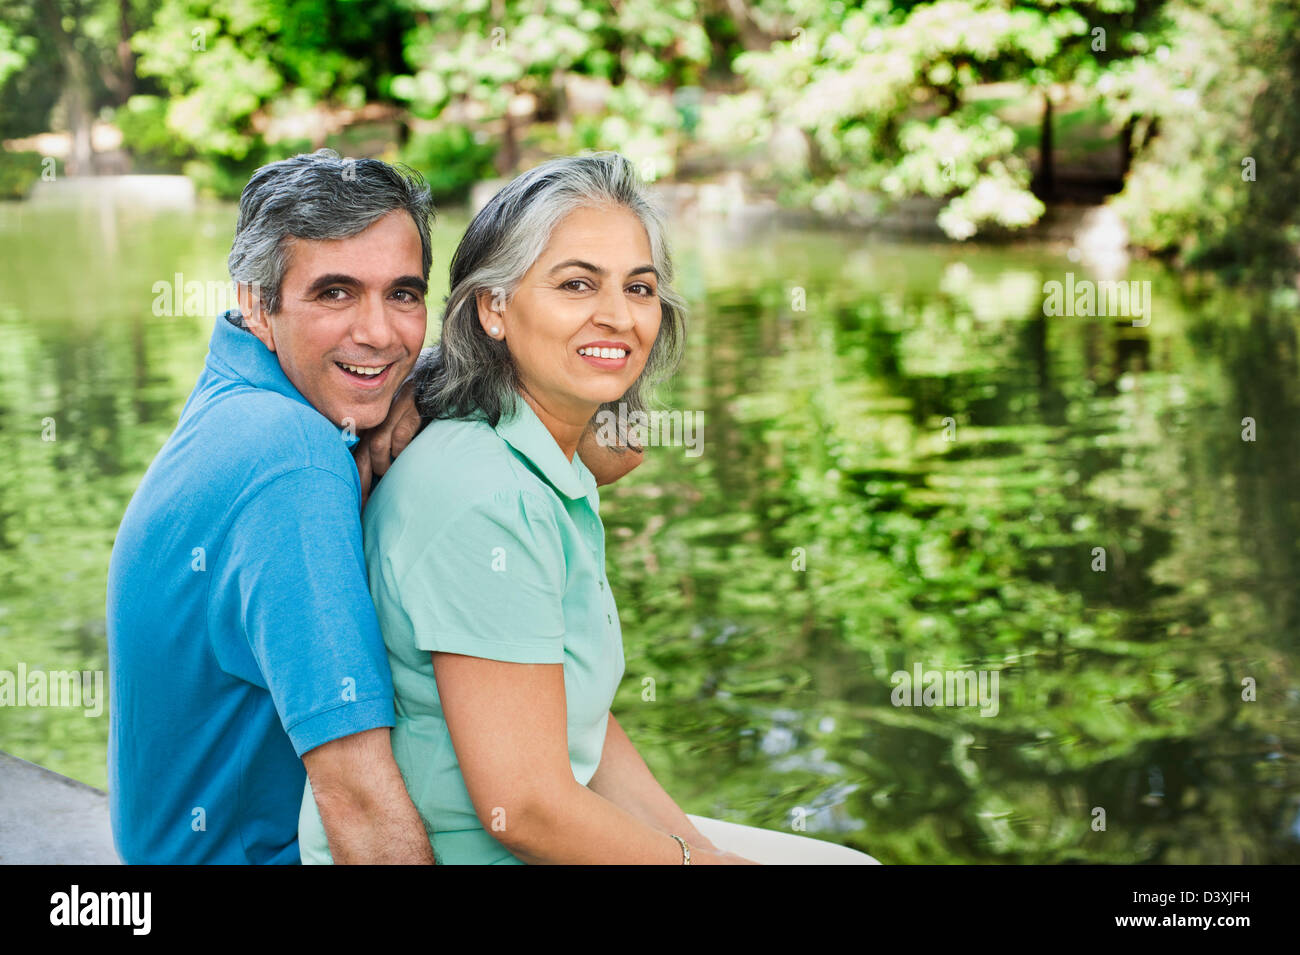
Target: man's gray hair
{"x": 318, "y": 195}
{"x": 472, "y": 373}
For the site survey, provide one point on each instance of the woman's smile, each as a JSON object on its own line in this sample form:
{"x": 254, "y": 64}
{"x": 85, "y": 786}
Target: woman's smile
{"x": 606, "y": 355}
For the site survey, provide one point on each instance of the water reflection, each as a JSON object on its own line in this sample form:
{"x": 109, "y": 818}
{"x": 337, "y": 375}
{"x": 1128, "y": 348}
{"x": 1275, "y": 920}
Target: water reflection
{"x": 905, "y": 462}
{"x": 827, "y": 433}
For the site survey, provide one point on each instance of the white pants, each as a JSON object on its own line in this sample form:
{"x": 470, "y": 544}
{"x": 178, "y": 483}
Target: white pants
{"x": 777, "y": 848}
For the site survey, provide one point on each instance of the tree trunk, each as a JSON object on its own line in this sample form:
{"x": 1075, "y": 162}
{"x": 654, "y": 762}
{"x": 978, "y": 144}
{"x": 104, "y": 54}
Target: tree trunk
{"x": 1126, "y": 147}
{"x": 508, "y": 155}
{"x": 76, "y": 92}
{"x": 752, "y": 36}
{"x": 1046, "y": 170}
{"x": 125, "y": 56}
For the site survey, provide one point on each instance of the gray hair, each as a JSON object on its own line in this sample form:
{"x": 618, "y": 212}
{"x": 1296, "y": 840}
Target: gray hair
{"x": 472, "y": 373}
{"x": 318, "y": 195}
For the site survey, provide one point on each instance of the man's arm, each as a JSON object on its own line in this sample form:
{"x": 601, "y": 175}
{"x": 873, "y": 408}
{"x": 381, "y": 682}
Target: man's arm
{"x": 292, "y": 570}
{"x": 607, "y": 464}
{"x": 378, "y": 446}
{"x": 367, "y": 813}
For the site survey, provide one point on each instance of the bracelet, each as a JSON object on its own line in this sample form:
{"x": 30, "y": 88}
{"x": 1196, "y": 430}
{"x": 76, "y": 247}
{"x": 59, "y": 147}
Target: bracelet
{"x": 686, "y": 850}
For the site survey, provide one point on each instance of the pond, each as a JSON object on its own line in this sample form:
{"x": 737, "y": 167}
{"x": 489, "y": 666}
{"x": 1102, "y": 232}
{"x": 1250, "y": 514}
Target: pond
{"x": 904, "y": 468}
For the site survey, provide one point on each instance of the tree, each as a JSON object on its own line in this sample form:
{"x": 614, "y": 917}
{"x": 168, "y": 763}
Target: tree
{"x": 482, "y": 58}
{"x": 875, "y": 102}
{"x": 1218, "y": 186}
{"x": 71, "y": 53}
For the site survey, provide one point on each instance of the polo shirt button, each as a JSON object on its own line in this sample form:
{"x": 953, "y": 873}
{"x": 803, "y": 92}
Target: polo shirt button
{"x": 602, "y": 585}
{"x": 609, "y": 617}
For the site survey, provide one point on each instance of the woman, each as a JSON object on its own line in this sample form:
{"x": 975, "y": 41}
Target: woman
{"x": 484, "y": 543}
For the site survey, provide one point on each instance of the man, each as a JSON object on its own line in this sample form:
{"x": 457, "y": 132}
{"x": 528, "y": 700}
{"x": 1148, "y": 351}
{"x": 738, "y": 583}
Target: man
{"x": 243, "y": 645}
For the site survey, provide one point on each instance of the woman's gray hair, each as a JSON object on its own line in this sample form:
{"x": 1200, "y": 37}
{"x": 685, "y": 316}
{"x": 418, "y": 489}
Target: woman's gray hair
{"x": 318, "y": 195}
{"x": 472, "y": 373}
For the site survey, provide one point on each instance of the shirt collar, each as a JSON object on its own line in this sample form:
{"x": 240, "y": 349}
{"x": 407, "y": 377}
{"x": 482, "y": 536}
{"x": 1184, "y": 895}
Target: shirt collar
{"x": 236, "y": 352}
{"x": 524, "y": 431}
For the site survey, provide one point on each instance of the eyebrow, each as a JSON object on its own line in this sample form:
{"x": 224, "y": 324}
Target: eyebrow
{"x": 598, "y": 270}
{"x": 338, "y": 278}
{"x": 410, "y": 281}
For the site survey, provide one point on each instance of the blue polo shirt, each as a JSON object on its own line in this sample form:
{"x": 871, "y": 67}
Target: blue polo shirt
{"x": 241, "y": 633}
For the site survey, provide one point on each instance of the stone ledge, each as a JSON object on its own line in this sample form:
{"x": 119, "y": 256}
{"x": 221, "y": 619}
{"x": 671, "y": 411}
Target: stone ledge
{"x": 48, "y": 819}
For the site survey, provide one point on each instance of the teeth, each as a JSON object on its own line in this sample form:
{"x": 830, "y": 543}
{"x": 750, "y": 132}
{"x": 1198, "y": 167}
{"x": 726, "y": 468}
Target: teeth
{"x": 604, "y": 352}
{"x": 369, "y": 372}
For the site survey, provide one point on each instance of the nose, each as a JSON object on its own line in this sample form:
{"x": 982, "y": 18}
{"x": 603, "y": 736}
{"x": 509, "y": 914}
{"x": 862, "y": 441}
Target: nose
{"x": 612, "y": 310}
{"x": 372, "y": 325}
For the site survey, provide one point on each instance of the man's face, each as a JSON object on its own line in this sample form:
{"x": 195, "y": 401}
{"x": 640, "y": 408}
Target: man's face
{"x": 351, "y": 319}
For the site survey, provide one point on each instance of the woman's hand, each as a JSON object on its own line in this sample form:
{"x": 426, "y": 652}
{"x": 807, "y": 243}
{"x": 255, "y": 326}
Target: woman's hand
{"x": 625, "y": 780}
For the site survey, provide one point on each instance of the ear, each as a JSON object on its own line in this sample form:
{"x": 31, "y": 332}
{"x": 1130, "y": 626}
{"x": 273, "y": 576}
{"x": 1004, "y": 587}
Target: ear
{"x": 492, "y": 312}
{"x": 250, "y": 306}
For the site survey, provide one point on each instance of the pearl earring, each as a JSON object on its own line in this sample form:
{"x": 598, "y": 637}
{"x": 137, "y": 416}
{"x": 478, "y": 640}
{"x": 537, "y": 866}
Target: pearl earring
{"x": 494, "y": 331}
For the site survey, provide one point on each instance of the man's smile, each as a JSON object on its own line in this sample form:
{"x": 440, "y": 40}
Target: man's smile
{"x": 365, "y": 376}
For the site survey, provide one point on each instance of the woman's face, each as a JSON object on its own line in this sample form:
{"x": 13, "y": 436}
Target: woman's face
{"x": 581, "y": 324}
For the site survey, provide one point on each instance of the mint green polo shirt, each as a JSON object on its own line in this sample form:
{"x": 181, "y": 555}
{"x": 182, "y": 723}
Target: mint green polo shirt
{"x": 485, "y": 542}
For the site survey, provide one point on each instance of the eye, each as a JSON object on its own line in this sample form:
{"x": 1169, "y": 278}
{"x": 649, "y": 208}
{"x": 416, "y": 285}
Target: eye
{"x": 411, "y": 297}
{"x": 648, "y": 291}
{"x": 329, "y": 295}
{"x": 572, "y": 281}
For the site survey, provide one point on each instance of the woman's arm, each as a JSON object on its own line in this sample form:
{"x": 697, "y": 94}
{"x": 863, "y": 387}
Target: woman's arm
{"x": 625, "y": 780}
{"x": 508, "y": 725}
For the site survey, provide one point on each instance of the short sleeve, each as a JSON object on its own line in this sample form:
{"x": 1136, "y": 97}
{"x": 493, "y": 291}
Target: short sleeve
{"x": 491, "y": 584}
{"x": 293, "y": 559}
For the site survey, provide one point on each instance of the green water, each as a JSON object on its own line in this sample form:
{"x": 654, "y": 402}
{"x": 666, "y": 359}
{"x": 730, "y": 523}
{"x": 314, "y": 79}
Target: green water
{"x": 835, "y": 529}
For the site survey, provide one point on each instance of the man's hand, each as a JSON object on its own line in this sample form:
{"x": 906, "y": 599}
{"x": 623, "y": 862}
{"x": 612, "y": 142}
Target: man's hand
{"x": 368, "y": 815}
{"x": 377, "y": 446}
{"x": 606, "y": 464}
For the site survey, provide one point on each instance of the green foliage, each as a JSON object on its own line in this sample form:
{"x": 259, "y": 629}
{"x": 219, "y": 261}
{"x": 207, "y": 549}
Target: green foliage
{"x": 15, "y": 52}
{"x": 49, "y": 48}
{"x": 145, "y": 133}
{"x": 974, "y": 158}
{"x": 481, "y": 52}
{"x": 224, "y": 177}
{"x": 850, "y": 88}
{"x": 231, "y": 70}
{"x": 227, "y": 67}
{"x": 637, "y": 122}
{"x": 872, "y": 104}
{"x": 477, "y": 59}
{"x": 217, "y": 67}
{"x": 30, "y": 74}
{"x": 843, "y": 107}
{"x": 1212, "y": 109}
{"x": 19, "y": 171}
{"x": 450, "y": 159}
